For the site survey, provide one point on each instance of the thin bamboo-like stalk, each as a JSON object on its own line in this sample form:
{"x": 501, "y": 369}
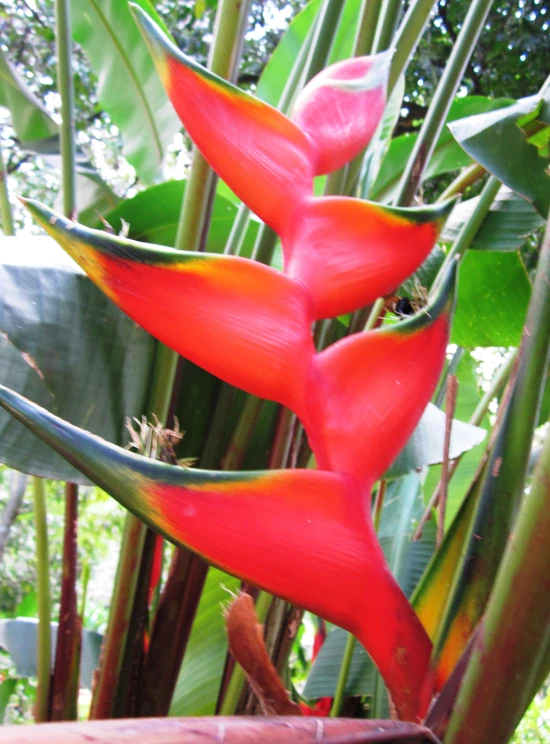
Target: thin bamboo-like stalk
{"x": 5, "y": 206}
{"x": 65, "y": 88}
{"x": 515, "y": 632}
{"x": 44, "y": 604}
{"x": 67, "y": 657}
{"x": 223, "y": 61}
{"x": 443, "y": 97}
{"x": 387, "y": 24}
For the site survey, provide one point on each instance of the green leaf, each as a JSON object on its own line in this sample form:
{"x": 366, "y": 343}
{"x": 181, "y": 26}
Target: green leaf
{"x": 198, "y": 683}
{"x": 18, "y": 637}
{"x": 153, "y": 218}
{"x": 425, "y": 447}
{"x": 447, "y": 155}
{"x": 67, "y": 347}
{"x": 509, "y": 223}
{"x": 494, "y": 292}
{"x": 29, "y": 118}
{"x": 497, "y": 141}
{"x": 407, "y": 560}
{"x": 381, "y": 141}
{"x": 544, "y": 412}
{"x": 93, "y": 195}
{"x": 7, "y": 689}
{"x": 273, "y": 78}
{"x": 129, "y": 88}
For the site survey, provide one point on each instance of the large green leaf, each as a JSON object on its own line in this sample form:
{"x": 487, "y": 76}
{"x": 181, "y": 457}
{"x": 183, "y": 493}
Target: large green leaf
{"x": 425, "y": 447}
{"x": 403, "y": 507}
{"x": 64, "y": 345}
{"x": 493, "y": 296}
{"x": 447, "y": 155}
{"x": 275, "y": 73}
{"x": 129, "y": 88}
{"x": 198, "y": 683}
{"x": 497, "y": 141}
{"x": 18, "y": 638}
{"x": 509, "y": 222}
{"x": 29, "y": 118}
{"x": 152, "y": 216}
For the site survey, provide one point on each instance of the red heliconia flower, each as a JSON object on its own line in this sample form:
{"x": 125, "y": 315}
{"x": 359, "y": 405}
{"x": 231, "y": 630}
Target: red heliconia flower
{"x": 304, "y": 535}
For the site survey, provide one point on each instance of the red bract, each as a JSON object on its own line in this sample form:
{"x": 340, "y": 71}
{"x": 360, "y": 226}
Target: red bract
{"x": 304, "y": 535}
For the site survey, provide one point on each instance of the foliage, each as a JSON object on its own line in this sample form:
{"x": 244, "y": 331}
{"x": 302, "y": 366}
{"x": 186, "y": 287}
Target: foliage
{"x": 159, "y": 594}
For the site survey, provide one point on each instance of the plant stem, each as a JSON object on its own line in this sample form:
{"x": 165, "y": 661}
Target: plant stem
{"x": 5, "y": 206}
{"x": 443, "y": 97}
{"x": 386, "y": 25}
{"x": 223, "y": 61}
{"x": 325, "y": 30}
{"x": 516, "y": 628}
{"x": 471, "y": 227}
{"x": 407, "y": 37}
{"x": 67, "y": 657}
{"x": 44, "y": 608}
{"x": 366, "y": 27}
{"x": 466, "y": 178}
{"x": 238, "y": 677}
{"x": 497, "y": 384}
{"x": 343, "y": 676}
{"x": 122, "y": 602}
{"x": 66, "y": 91}
{"x": 374, "y": 314}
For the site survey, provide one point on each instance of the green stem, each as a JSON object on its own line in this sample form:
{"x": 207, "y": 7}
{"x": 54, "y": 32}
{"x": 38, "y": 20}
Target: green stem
{"x": 66, "y": 91}
{"x": 44, "y": 608}
{"x": 242, "y": 434}
{"x": 444, "y": 94}
{"x": 122, "y": 602}
{"x": 223, "y": 61}
{"x": 386, "y": 25}
{"x": 343, "y": 677}
{"x": 466, "y": 178}
{"x": 470, "y": 228}
{"x": 516, "y": 629}
{"x": 238, "y": 677}
{"x": 497, "y": 385}
{"x": 407, "y": 37}
{"x": 325, "y": 30}
{"x": 5, "y": 206}
{"x": 366, "y": 27}
{"x": 451, "y": 370}
{"x": 374, "y": 314}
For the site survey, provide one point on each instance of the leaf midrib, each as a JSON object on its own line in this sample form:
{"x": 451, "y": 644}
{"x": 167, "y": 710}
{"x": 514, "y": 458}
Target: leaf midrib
{"x": 140, "y": 94}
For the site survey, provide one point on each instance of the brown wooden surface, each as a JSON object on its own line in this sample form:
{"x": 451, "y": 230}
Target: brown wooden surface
{"x": 219, "y": 730}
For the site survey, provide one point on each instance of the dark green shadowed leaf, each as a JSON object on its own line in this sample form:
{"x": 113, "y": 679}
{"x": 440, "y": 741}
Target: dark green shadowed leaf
{"x": 498, "y": 142}
{"x": 153, "y": 214}
{"x": 493, "y": 297}
{"x": 64, "y": 345}
{"x": 510, "y": 221}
